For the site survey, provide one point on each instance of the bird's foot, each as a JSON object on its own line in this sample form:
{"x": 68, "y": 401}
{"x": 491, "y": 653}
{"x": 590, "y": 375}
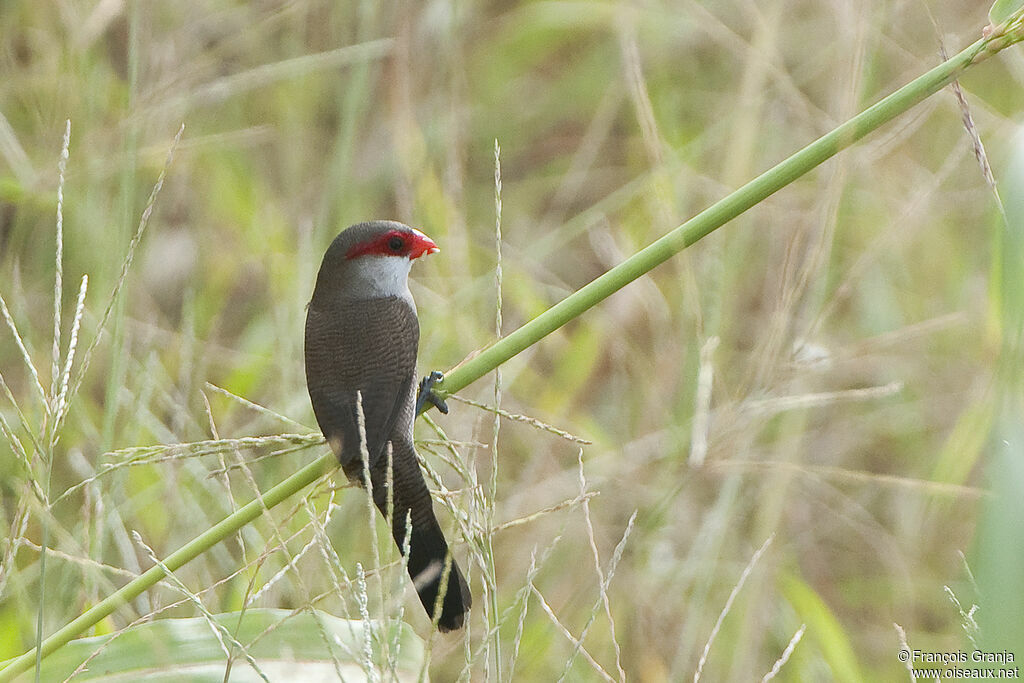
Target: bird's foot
{"x": 426, "y": 393}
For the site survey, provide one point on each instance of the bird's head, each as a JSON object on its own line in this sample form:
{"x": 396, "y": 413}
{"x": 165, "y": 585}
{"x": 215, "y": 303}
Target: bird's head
{"x": 371, "y": 260}
{"x": 387, "y": 238}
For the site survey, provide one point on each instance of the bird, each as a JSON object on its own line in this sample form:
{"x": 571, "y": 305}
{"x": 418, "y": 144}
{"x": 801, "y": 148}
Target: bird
{"x": 361, "y": 342}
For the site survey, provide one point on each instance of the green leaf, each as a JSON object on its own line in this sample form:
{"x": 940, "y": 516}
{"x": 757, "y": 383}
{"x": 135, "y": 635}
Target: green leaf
{"x": 1000, "y": 539}
{"x": 824, "y": 629}
{"x": 964, "y": 445}
{"x": 1000, "y": 535}
{"x": 284, "y": 646}
{"x": 1003, "y": 10}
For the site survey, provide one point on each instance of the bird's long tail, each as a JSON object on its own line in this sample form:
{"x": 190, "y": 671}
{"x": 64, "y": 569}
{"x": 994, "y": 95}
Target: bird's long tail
{"x": 428, "y": 550}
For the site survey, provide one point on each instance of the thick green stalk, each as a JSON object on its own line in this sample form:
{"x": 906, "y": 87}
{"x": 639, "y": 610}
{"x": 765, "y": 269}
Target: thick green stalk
{"x": 717, "y": 215}
{"x": 572, "y": 306}
{"x": 175, "y": 560}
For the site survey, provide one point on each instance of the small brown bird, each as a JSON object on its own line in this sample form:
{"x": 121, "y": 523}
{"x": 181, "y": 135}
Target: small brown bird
{"x": 362, "y": 336}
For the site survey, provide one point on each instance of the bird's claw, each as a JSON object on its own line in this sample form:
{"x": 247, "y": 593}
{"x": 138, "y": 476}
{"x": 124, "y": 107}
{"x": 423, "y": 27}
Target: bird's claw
{"x": 426, "y": 393}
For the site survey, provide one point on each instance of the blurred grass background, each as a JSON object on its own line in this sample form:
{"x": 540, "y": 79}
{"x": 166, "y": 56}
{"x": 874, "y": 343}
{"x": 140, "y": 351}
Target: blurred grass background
{"x": 856, "y": 324}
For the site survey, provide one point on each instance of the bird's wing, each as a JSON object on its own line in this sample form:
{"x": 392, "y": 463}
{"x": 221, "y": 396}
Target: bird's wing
{"x": 366, "y": 348}
{"x": 370, "y": 348}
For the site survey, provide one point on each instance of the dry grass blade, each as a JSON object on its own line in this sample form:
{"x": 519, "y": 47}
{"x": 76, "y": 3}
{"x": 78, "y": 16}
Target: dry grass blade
{"x": 491, "y": 609}
{"x": 602, "y": 582}
{"x": 937, "y": 488}
{"x": 263, "y": 410}
{"x": 85, "y": 562}
{"x": 22, "y": 419}
{"x": 967, "y": 617}
{"x": 449, "y": 454}
{"x": 972, "y": 130}
{"x": 248, "y": 463}
{"x": 14, "y": 153}
{"x": 281, "y": 545}
{"x": 702, "y": 404}
{"x": 534, "y": 516}
{"x": 403, "y": 573}
{"x": 212, "y": 446}
{"x": 968, "y": 572}
{"x": 774, "y": 406}
{"x": 901, "y": 637}
{"x": 15, "y": 536}
{"x": 366, "y": 656}
{"x": 58, "y": 279}
{"x": 22, "y": 456}
{"x": 147, "y": 455}
{"x": 61, "y": 403}
{"x": 327, "y": 551}
{"x": 602, "y": 597}
{"x": 786, "y": 654}
{"x": 728, "y": 605}
{"x": 524, "y": 419}
{"x": 577, "y": 645}
{"x": 126, "y": 265}
{"x": 25, "y": 356}
{"x": 267, "y": 74}
{"x": 371, "y": 512}
{"x": 522, "y": 597}
{"x": 497, "y": 256}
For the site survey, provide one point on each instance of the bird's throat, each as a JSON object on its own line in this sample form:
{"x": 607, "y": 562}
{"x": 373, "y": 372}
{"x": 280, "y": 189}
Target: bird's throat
{"x": 373, "y": 277}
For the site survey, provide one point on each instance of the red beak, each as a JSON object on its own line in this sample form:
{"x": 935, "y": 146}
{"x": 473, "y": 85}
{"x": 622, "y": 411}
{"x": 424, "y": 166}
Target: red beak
{"x": 421, "y": 245}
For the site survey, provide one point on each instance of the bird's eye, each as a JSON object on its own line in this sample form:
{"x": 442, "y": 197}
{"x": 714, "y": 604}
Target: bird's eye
{"x": 396, "y": 243}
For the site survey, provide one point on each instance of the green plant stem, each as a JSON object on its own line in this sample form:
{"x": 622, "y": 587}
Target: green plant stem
{"x": 572, "y": 306}
{"x": 717, "y": 215}
{"x": 174, "y": 561}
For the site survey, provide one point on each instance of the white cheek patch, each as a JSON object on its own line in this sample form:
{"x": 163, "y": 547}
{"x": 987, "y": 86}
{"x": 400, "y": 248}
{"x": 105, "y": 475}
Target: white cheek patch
{"x": 381, "y": 276}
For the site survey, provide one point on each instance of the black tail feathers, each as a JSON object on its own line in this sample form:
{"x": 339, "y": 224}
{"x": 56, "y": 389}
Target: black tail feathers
{"x": 428, "y": 550}
{"x": 428, "y": 554}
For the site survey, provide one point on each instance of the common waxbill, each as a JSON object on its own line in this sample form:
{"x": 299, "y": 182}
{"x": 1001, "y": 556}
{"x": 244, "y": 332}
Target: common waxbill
{"x": 362, "y": 335}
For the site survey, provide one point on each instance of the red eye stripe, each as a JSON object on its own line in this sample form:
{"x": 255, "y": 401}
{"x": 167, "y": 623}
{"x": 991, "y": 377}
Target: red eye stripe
{"x": 411, "y": 245}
